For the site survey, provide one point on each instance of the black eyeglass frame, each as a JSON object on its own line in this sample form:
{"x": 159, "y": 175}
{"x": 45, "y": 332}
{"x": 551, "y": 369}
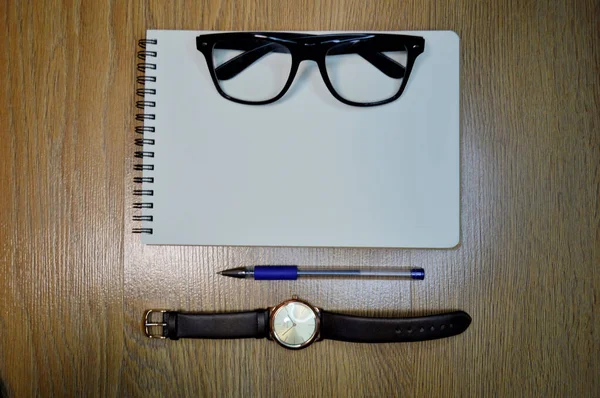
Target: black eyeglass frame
{"x": 304, "y": 47}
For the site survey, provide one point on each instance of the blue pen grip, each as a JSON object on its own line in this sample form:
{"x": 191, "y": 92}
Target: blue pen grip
{"x": 275, "y": 272}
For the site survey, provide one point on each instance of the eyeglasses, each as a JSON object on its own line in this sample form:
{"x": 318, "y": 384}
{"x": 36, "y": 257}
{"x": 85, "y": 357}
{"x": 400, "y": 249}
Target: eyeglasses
{"x": 359, "y": 69}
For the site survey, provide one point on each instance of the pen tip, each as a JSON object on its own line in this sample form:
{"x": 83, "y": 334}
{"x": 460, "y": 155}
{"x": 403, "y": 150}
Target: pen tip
{"x": 220, "y": 273}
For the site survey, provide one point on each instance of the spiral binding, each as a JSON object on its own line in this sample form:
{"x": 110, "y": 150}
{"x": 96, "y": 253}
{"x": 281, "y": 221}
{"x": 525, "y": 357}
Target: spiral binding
{"x": 146, "y": 94}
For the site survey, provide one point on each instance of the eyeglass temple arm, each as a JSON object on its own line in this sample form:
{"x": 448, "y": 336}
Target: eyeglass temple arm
{"x": 237, "y": 64}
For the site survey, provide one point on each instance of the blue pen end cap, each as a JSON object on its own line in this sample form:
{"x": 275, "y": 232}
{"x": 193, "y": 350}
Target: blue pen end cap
{"x": 417, "y": 273}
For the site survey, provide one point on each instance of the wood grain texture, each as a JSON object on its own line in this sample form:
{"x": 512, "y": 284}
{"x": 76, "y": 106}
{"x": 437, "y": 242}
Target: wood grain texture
{"x": 74, "y": 281}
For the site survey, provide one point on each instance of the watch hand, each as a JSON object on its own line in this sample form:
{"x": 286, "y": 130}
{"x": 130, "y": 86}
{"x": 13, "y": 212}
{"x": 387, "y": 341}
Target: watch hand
{"x": 290, "y": 328}
{"x": 289, "y": 316}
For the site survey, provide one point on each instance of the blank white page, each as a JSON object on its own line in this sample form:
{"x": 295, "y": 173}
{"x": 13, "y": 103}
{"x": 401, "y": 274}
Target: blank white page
{"x": 307, "y": 170}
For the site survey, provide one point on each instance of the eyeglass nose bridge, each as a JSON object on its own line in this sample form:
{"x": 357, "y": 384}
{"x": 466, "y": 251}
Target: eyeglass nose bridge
{"x": 308, "y": 52}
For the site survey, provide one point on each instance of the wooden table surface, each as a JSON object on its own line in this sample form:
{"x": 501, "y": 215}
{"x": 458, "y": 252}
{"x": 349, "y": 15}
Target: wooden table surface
{"x": 74, "y": 281}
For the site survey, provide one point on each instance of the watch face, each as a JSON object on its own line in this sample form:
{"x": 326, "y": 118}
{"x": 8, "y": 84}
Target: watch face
{"x": 294, "y": 324}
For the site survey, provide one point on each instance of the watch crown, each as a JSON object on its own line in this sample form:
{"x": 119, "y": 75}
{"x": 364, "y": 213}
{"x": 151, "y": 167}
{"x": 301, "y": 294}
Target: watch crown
{"x": 295, "y": 297}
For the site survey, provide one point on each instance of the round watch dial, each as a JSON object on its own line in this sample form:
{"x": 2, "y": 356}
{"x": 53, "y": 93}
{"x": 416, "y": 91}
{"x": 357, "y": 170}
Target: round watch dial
{"x": 294, "y": 324}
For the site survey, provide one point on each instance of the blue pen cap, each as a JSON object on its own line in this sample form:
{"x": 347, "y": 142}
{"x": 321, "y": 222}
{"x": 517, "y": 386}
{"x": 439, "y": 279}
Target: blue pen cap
{"x": 417, "y": 273}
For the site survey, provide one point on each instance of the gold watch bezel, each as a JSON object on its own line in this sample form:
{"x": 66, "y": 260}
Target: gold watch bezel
{"x": 313, "y": 338}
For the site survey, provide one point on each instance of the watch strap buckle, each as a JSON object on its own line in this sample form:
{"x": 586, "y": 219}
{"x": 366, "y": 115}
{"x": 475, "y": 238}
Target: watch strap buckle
{"x": 150, "y": 324}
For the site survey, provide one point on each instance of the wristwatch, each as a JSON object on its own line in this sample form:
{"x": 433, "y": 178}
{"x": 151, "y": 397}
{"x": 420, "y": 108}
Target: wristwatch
{"x": 296, "y": 324}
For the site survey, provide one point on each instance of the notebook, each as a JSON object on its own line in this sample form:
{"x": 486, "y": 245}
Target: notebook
{"x": 307, "y": 170}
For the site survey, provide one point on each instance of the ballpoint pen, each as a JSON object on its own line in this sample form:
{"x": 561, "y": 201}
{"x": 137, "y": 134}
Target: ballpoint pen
{"x": 293, "y": 272}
